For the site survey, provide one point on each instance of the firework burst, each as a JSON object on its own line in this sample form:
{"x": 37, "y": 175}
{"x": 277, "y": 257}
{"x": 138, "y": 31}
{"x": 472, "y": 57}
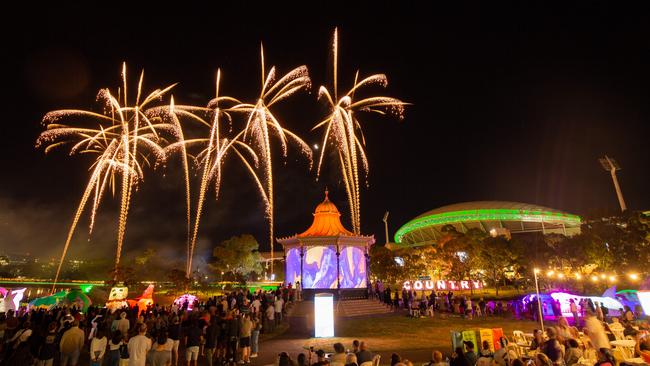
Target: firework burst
{"x": 124, "y": 140}
{"x": 262, "y": 125}
{"x": 343, "y": 129}
{"x": 212, "y": 153}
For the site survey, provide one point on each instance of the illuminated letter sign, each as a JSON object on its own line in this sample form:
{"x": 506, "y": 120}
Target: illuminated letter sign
{"x": 441, "y": 285}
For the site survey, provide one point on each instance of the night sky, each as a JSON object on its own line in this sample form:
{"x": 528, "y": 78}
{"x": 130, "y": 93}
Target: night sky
{"x": 514, "y": 103}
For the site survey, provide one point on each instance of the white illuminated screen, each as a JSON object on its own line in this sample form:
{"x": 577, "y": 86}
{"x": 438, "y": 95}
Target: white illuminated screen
{"x": 324, "y": 315}
{"x": 644, "y": 299}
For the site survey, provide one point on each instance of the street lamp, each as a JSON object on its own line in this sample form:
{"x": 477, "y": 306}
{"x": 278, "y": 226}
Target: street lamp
{"x": 612, "y": 166}
{"x": 539, "y": 302}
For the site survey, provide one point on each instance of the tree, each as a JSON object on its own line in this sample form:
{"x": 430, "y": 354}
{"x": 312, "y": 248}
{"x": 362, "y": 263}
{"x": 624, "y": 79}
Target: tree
{"x": 238, "y": 256}
{"x": 460, "y": 252}
{"x": 383, "y": 264}
{"x": 179, "y": 279}
{"x": 494, "y": 255}
{"x": 120, "y": 273}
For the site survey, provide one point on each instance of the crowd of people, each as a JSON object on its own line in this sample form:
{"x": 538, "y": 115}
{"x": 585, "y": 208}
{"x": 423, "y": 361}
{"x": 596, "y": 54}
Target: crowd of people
{"x": 359, "y": 354}
{"x": 222, "y": 330}
{"x": 423, "y": 303}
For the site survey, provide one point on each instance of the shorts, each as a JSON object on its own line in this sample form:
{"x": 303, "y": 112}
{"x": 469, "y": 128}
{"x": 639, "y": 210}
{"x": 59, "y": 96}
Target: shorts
{"x": 192, "y": 353}
{"x": 175, "y": 345}
{"x": 245, "y": 342}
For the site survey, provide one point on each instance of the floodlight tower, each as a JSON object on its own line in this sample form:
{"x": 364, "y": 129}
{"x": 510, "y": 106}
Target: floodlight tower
{"x": 610, "y": 165}
{"x": 385, "y": 220}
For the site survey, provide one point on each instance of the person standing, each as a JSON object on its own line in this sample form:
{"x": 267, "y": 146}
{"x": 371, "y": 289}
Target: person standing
{"x": 255, "y": 335}
{"x": 573, "y": 308}
{"x": 233, "y": 336}
{"x": 48, "y": 348}
{"x": 123, "y": 324}
{"x": 298, "y": 291}
{"x": 174, "y": 333}
{"x": 98, "y": 348}
{"x": 138, "y": 347}
{"x": 71, "y": 344}
{"x": 245, "y": 331}
{"x": 192, "y": 342}
{"x": 116, "y": 341}
{"x": 211, "y": 333}
{"x": 270, "y": 318}
{"x": 279, "y": 304}
{"x": 162, "y": 350}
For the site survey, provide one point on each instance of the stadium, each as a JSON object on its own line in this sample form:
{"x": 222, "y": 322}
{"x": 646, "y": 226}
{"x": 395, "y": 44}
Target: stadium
{"x": 494, "y": 217}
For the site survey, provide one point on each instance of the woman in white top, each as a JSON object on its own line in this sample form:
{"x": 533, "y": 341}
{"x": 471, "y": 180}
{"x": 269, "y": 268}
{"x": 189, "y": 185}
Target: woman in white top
{"x": 98, "y": 348}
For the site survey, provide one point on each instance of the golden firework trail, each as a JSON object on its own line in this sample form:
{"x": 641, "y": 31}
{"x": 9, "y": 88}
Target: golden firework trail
{"x": 124, "y": 139}
{"x": 211, "y": 157}
{"x": 262, "y": 124}
{"x": 343, "y": 129}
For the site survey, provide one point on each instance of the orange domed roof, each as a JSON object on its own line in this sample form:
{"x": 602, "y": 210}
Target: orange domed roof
{"x": 327, "y": 221}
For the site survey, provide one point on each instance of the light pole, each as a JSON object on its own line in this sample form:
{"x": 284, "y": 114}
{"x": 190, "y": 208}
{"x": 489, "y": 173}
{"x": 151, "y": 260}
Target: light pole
{"x": 539, "y": 302}
{"x": 612, "y": 166}
{"x": 385, "y": 220}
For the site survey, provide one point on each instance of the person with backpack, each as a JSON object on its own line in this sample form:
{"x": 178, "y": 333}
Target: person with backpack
{"x": 114, "y": 344}
{"x": 47, "y": 348}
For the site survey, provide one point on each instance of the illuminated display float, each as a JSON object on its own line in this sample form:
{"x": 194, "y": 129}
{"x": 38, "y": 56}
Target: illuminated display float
{"x": 327, "y": 257}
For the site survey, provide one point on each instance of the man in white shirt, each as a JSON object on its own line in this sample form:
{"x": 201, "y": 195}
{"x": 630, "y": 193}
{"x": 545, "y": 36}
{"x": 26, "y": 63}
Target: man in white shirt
{"x": 256, "y": 304}
{"x": 270, "y": 316}
{"x": 138, "y": 347}
{"x": 279, "y": 303}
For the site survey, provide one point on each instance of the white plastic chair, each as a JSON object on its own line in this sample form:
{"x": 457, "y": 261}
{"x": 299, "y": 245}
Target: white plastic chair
{"x": 375, "y": 360}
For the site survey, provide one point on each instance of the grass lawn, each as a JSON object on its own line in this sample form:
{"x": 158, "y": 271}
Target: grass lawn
{"x": 398, "y": 333}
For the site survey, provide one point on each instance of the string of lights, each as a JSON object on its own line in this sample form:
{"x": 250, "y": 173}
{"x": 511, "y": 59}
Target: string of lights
{"x": 593, "y": 277}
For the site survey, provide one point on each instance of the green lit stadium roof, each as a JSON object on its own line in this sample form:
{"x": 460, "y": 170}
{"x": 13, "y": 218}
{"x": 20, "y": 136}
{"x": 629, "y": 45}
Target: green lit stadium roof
{"x": 486, "y": 215}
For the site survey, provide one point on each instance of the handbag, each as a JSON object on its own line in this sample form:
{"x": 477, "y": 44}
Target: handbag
{"x": 124, "y": 351}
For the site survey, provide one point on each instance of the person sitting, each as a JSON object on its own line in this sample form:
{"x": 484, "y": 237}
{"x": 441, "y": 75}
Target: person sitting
{"x": 605, "y": 358}
{"x": 355, "y": 346}
{"x": 552, "y": 347}
{"x": 565, "y": 331}
{"x": 542, "y": 360}
{"x": 364, "y": 355}
{"x": 395, "y": 359}
{"x": 321, "y": 359}
{"x": 339, "y": 354}
{"x": 351, "y": 360}
{"x": 485, "y": 350}
{"x": 436, "y": 359}
{"x": 470, "y": 355}
{"x": 302, "y": 360}
{"x": 573, "y": 354}
{"x": 458, "y": 358}
{"x": 538, "y": 340}
{"x": 285, "y": 360}
{"x": 504, "y": 355}
{"x": 642, "y": 347}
